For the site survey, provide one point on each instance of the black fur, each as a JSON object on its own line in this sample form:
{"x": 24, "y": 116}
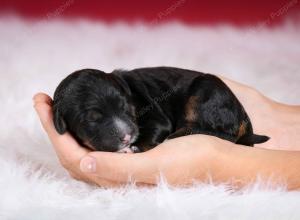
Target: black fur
{"x": 155, "y": 104}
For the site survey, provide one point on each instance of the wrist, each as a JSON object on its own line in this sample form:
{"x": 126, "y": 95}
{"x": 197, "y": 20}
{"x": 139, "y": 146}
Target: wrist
{"x": 214, "y": 160}
{"x": 234, "y": 164}
{"x": 239, "y": 166}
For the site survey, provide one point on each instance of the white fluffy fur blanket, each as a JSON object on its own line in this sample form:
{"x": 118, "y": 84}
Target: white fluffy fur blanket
{"x": 35, "y": 56}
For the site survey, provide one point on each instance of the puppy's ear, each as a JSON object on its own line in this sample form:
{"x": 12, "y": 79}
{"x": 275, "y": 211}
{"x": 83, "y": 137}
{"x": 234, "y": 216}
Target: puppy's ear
{"x": 122, "y": 83}
{"x": 59, "y": 122}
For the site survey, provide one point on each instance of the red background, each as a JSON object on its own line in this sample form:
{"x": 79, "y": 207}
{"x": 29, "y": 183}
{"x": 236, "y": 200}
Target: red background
{"x": 190, "y": 11}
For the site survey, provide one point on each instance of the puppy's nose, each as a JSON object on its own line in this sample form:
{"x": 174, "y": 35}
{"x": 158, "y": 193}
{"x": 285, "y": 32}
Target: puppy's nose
{"x": 126, "y": 138}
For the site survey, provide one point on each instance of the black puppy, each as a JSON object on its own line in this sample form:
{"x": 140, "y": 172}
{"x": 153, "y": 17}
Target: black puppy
{"x": 144, "y": 107}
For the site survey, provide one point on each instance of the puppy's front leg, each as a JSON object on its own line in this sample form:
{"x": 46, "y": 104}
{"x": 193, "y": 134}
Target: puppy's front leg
{"x": 181, "y": 132}
{"x": 194, "y": 130}
{"x": 135, "y": 149}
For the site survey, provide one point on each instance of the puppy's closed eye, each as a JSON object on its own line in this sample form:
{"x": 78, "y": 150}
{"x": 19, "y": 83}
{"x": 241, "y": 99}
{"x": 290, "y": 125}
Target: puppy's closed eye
{"x": 121, "y": 105}
{"x": 93, "y": 116}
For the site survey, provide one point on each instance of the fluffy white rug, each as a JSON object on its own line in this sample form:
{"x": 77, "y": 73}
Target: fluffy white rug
{"x": 35, "y": 56}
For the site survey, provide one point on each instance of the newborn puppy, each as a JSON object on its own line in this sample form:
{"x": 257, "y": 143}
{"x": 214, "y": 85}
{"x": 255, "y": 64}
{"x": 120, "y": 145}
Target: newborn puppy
{"x": 143, "y": 107}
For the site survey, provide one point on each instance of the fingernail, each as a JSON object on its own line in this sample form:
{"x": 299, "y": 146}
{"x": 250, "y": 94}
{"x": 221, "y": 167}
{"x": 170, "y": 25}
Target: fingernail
{"x": 88, "y": 164}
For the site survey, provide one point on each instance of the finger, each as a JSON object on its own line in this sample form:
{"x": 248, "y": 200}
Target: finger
{"x": 69, "y": 157}
{"x": 119, "y": 167}
{"x": 105, "y": 183}
{"x": 94, "y": 180}
{"x": 42, "y": 97}
{"x": 111, "y": 168}
{"x": 65, "y": 145}
{"x": 111, "y": 184}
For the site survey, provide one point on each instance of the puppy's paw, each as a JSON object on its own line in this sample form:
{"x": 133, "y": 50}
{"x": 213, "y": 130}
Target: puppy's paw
{"x": 135, "y": 149}
{"x": 126, "y": 150}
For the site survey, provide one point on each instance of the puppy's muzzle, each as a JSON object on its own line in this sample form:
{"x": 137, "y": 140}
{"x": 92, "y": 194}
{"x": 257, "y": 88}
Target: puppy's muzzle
{"x": 130, "y": 150}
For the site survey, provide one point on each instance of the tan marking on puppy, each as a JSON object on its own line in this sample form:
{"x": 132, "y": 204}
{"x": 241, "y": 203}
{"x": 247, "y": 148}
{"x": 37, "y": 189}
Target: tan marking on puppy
{"x": 242, "y": 129}
{"x": 190, "y": 109}
{"x": 88, "y": 144}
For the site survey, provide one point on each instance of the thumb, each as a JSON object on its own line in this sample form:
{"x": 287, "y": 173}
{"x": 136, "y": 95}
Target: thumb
{"x": 120, "y": 167}
{"x": 88, "y": 164}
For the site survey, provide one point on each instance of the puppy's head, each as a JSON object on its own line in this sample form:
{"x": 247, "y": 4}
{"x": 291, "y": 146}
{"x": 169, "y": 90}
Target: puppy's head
{"x": 96, "y": 109}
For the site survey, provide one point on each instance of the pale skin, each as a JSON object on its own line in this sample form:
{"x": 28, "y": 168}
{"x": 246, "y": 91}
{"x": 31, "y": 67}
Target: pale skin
{"x": 184, "y": 160}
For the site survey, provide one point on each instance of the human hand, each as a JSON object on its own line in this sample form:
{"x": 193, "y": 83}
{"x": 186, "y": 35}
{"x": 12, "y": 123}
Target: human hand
{"x": 181, "y": 161}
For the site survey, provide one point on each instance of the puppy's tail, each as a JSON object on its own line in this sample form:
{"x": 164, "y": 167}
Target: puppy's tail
{"x": 252, "y": 139}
